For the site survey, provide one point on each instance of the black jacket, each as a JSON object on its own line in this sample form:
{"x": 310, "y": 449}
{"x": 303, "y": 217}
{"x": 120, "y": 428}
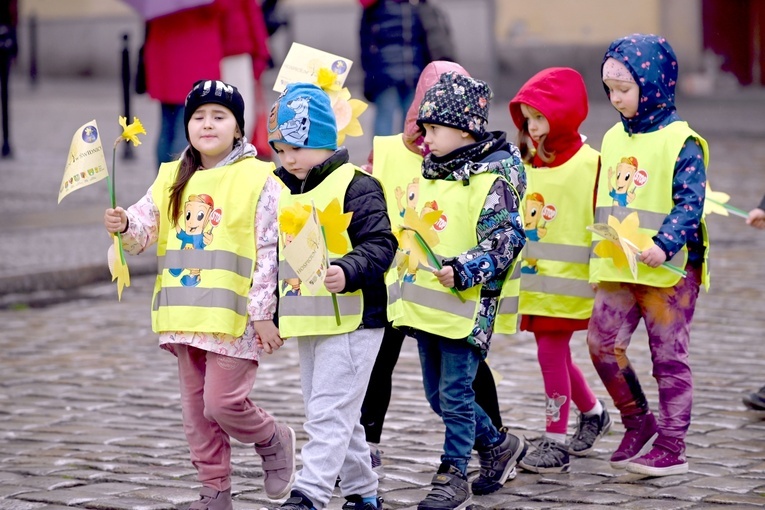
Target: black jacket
{"x": 374, "y": 245}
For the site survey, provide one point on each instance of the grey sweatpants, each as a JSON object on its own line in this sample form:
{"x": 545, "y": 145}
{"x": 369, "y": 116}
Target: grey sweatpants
{"x": 334, "y": 374}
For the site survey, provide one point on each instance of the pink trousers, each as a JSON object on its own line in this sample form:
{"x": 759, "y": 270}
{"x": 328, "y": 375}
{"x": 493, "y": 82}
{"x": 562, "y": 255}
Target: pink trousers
{"x": 564, "y": 380}
{"x": 216, "y": 406}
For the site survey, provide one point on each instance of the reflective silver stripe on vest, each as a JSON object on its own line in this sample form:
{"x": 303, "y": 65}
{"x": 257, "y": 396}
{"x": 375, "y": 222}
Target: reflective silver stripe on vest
{"x": 648, "y": 219}
{"x": 556, "y": 285}
{"x": 285, "y": 271}
{"x": 516, "y": 272}
{"x": 394, "y": 292}
{"x": 508, "y": 305}
{"x": 202, "y": 297}
{"x": 203, "y": 259}
{"x": 434, "y": 299}
{"x": 557, "y": 252}
{"x": 318, "y": 306}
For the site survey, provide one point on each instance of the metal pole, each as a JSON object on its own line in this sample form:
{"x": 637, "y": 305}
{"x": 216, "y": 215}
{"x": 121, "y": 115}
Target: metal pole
{"x": 33, "y": 49}
{"x": 128, "y": 151}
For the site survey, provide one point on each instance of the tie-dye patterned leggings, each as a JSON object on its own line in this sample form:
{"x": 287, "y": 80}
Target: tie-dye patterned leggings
{"x": 667, "y": 313}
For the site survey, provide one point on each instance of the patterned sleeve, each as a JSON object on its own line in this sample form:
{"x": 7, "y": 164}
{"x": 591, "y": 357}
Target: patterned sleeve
{"x": 683, "y": 223}
{"x": 501, "y": 238}
{"x": 262, "y": 302}
{"x": 143, "y": 225}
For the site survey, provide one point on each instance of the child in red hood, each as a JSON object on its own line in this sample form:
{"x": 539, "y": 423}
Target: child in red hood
{"x": 556, "y": 298}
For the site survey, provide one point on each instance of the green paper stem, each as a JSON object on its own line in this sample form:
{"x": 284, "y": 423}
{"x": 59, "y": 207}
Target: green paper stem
{"x": 731, "y": 209}
{"x": 110, "y": 180}
{"x": 334, "y": 296}
{"x": 432, "y": 257}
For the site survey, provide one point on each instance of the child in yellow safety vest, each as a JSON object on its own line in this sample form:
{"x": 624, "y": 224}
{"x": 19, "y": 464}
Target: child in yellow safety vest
{"x": 556, "y": 296}
{"x": 469, "y": 196}
{"x": 216, "y": 200}
{"x": 654, "y": 177}
{"x": 336, "y": 357}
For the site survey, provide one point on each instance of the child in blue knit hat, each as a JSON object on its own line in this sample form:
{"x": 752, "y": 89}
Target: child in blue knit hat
{"x": 335, "y": 359}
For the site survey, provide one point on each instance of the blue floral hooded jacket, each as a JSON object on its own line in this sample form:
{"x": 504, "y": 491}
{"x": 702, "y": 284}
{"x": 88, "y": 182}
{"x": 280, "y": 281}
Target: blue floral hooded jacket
{"x": 653, "y": 65}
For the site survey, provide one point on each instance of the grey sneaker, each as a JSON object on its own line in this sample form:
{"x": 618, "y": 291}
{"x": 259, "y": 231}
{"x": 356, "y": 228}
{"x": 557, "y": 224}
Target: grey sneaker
{"x": 498, "y": 464}
{"x": 278, "y": 462}
{"x": 376, "y": 457}
{"x": 450, "y": 491}
{"x": 210, "y": 499}
{"x": 354, "y": 502}
{"x": 589, "y": 429}
{"x": 549, "y": 457}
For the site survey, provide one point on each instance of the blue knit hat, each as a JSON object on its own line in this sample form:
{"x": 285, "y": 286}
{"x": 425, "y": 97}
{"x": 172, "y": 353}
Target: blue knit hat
{"x": 302, "y": 116}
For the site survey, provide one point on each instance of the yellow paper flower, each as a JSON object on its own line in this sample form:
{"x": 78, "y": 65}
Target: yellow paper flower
{"x": 623, "y": 241}
{"x": 292, "y": 219}
{"x": 130, "y": 132}
{"x": 407, "y": 241}
{"x": 326, "y": 78}
{"x": 713, "y": 203}
{"x": 334, "y": 222}
{"x": 117, "y": 267}
{"x": 347, "y": 112}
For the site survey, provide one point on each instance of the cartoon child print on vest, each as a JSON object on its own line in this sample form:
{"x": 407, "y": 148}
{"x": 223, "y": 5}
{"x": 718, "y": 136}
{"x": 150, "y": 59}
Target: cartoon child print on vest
{"x": 627, "y": 175}
{"x": 198, "y": 213}
{"x": 295, "y": 130}
{"x": 412, "y": 198}
{"x": 536, "y": 216}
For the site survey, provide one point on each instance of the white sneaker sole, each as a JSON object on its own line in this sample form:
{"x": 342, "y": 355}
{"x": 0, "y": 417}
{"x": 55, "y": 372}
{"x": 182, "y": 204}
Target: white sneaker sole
{"x": 640, "y": 469}
{"x": 622, "y": 464}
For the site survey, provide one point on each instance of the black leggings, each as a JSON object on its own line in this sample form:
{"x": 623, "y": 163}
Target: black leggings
{"x": 377, "y": 399}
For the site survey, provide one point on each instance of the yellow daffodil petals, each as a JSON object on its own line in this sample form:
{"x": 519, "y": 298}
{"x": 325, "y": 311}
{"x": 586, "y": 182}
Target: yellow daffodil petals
{"x": 713, "y": 204}
{"x": 358, "y": 106}
{"x": 130, "y": 132}
{"x": 609, "y": 250}
{"x": 118, "y": 269}
{"x": 334, "y": 222}
{"x": 292, "y": 219}
{"x": 325, "y": 78}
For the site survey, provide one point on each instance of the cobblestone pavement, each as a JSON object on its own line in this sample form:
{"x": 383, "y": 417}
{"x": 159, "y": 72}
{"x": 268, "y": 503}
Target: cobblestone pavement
{"x": 89, "y": 406}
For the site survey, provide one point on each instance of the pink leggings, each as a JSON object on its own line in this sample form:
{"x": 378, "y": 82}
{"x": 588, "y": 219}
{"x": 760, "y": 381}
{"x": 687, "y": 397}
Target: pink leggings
{"x": 563, "y": 380}
{"x": 214, "y": 398}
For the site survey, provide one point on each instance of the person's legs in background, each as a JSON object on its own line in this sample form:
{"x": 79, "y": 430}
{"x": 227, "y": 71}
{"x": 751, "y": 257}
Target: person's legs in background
{"x": 172, "y": 134}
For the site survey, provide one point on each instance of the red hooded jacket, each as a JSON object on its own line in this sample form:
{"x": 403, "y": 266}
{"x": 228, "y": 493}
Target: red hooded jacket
{"x": 560, "y": 95}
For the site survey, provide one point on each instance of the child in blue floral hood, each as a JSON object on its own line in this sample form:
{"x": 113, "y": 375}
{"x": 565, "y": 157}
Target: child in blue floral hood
{"x": 654, "y": 165}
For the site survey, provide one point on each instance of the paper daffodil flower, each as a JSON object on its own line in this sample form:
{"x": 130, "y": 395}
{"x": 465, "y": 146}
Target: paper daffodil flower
{"x": 347, "y": 112}
{"x": 716, "y": 202}
{"x": 130, "y": 132}
{"x": 408, "y": 242}
{"x": 117, "y": 267}
{"x": 292, "y": 219}
{"x": 326, "y": 79}
{"x": 623, "y": 241}
{"x": 334, "y": 222}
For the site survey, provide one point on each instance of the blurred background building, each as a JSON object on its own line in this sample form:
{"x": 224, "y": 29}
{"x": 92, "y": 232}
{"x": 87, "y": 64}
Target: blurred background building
{"x": 719, "y": 42}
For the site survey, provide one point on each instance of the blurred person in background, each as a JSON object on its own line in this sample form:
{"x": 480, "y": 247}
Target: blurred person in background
{"x": 8, "y": 51}
{"x": 393, "y": 54}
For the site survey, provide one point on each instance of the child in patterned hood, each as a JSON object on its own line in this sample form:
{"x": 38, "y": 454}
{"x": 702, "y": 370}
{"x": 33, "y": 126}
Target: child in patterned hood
{"x": 477, "y": 178}
{"x": 639, "y": 75}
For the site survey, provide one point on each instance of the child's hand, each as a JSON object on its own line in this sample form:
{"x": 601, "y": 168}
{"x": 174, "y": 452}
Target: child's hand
{"x": 335, "y": 279}
{"x": 756, "y": 218}
{"x": 115, "y": 220}
{"x": 445, "y": 276}
{"x": 267, "y": 335}
{"x": 653, "y": 256}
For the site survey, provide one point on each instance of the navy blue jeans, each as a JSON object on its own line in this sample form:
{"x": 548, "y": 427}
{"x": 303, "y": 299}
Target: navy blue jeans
{"x": 448, "y": 369}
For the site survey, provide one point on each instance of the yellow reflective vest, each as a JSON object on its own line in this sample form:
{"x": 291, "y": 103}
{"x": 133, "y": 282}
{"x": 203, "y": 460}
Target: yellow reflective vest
{"x": 558, "y": 207}
{"x": 302, "y": 313}
{"x": 637, "y": 175}
{"x": 205, "y": 263}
